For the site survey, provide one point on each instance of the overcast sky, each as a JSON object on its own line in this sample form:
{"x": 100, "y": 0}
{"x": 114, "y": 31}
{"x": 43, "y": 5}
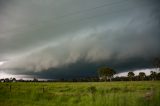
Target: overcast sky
{"x": 72, "y": 38}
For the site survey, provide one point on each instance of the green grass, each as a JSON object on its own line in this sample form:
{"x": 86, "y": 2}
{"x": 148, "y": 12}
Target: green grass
{"x": 146, "y": 93}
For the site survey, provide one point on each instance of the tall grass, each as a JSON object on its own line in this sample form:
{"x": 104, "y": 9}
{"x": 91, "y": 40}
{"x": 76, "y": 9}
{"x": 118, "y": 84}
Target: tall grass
{"x": 81, "y": 94}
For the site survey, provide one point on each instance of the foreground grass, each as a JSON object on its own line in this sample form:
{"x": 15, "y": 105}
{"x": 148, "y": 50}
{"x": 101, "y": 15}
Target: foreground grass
{"x": 145, "y": 93}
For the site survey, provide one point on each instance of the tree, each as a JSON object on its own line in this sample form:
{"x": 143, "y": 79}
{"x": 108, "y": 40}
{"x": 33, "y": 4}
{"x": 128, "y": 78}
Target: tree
{"x": 153, "y": 75}
{"x": 6, "y": 79}
{"x": 142, "y": 75}
{"x": 131, "y": 75}
{"x": 156, "y": 63}
{"x": 35, "y": 79}
{"x": 158, "y": 76}
{"x": 106, "y": 73}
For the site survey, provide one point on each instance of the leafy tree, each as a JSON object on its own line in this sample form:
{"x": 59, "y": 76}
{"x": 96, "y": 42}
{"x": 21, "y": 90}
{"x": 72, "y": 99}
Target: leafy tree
{"x": 6, "y": 79}
{"x": 156, "y": 63}
{"x": 158, "y": 76}
{"x": 106, "y": 73}
{"x": 142, "y": 75}
{"x": 131, "y": 75}
{"x": 35, "y": 79}
{"x": 153, "y": 75}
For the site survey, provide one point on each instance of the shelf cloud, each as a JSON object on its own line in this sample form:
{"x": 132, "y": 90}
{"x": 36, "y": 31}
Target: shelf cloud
{"x": 75, "y": 37}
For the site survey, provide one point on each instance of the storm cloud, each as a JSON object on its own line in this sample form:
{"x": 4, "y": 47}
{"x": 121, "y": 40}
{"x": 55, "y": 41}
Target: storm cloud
{"x": 75, "y": 37}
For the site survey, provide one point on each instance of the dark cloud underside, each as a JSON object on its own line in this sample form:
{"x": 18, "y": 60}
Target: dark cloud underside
{"x": 63, "y": 38}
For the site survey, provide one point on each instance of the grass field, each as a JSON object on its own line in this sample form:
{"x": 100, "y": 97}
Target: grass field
{"x": 145, "y": 93}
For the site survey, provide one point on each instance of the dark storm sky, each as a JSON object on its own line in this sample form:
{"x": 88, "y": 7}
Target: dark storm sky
{"x": 64, "y": 38}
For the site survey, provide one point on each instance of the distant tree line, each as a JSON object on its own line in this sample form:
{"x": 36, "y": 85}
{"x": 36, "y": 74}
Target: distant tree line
{"x": 105, "y": 74}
